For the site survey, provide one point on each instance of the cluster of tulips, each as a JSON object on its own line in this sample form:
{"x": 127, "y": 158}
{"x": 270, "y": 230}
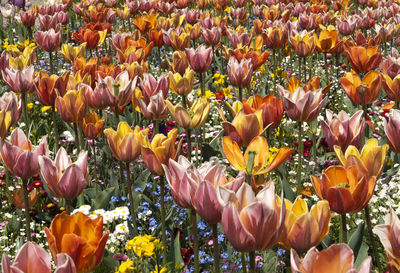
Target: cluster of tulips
{"x": 134, "y": 66}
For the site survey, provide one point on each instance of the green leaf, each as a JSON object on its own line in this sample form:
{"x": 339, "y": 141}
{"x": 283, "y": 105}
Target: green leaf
{"x": 270, "y": 261}
{"x": 108, "y": 264}
{"x": 177, "y": 249}
{"x": 103, "y": 198}
{"x": 326, "y": 242}
{"x": 362, "y": 255}
{"x": 356, "y": 238}
{"x": 287, "y": 189}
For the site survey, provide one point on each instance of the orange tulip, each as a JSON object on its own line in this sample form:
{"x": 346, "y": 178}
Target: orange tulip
{"x": 344, "y": 189}
{"x": 362, "y": 91}
{"x": 17, "y": 198}
{"x": 48, "y": 87}
{"x": 256, "y": 153}
{"x": 179, "y": 63}
{"x": 159, "y": 151}
{"x": 145, "y": 22}
{"x": 125, "y": 142}
{"x": 328, "y": 40}
{"x": 176, "y": 38}
{"x": 271, "y": 107}
{"x": 371, "y": 160}
{"x": 338, "y": 258}
{"x": 275, "y": 37}
{"x": 391, "y": 87}
{"x": 364, "y": 58}
{"x": 72, "y": 106}
{"x": 5, "y": 123}
{"x": 303, "y": 43}
{"x": 244, "y": 127}
{"x": 304, "y": 229}
{"x": 257, "y": 57}
{"x": 92, "y": 35}
{"x": 92, "y": 125}
{"x": 80, "y": 237}
{"x": 388, "y": 233}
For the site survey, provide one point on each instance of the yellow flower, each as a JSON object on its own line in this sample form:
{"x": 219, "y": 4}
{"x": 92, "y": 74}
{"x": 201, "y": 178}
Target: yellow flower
{"x": 162, "y": 270}
{"x": 45, "y": 109}
{"x": 143, "y": 245}
{"x": 125, "y": 267}
{"x": 29, "y": 106}
{"x": 209, "y": 94}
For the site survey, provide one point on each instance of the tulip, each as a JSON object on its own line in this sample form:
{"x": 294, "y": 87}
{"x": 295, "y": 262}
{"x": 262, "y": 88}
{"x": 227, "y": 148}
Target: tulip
{"x": 8, "y": 10}
{"x": 20, "y": 157}
{"x": 5, "y": 123}
{"x": 363, "y": 59}
{"x": 28, "y": 18}
{"x": 176, "y": 38}
{"x": 211, "y": 36}
{"x": 388, "y": 234}
{"x": 362, "y": 91}
{"x": 336, "y": 258}
{"x": 328, "y": 40}
{"x": 17, "y": 198}
{"x": 64, "y": 178}
{"x": 257, "y": 57}
{"x": 391, "y": 64}
{"x": 92, "y": 126}
{"x": 304, "y": 229}
{"x": 182, "y": 85}
{"x": 49, "y": 40}
{"x": 47, "y": 22}
{"x": 156, "y": 37}
{"x": 10, "y": 103}
{"x": 192, "y": 119}
{"x": 256, "y": 159}
{"x": 91, "y": 37}
{"x": 392, "y": 130}
{"x": 346, "y": 26}
{"x": 251, "y": 222}
{"x": 344, "y": 189}
{"x": 72, "y": 106}
{"x": 32, "y": 258}
{"x": 179, "y": 62}
{"x": 145, "y": 23}
{"x": 71, "y": 52}
{"x": 270, "y": 106}
{"x": 302, "y": 105}
{"x": 371, "y": 160}
{"x": 239, "y": 38}
{"x": 80, "y": 237}
{"x": 275, "y": 37}
{"x": 343, "y": 130}
{"x": 303, "y": 43}
{"x": 244, "y": 127}
{"x": 156, "y": 109}
{"x": 125, "y": 142}
{"x": 159, "y": 150}
{"x": 49, "y": 87}
{"x": 240, "y": 73}
{"x": 19, "y": 81}
{"x": 200, "y": 58}
{"x": 391, "y": 87}
{"x": 150, "y": 86}
{"x": 21, "y": 59}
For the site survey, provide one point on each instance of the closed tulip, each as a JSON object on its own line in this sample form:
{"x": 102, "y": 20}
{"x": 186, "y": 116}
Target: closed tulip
{"x": 211, "y": 36}
{"x": 338, "y": 258}
{"x": 303, "y": 43}
{"x": 371, "y": 160}
{"x": 125, "y": 142}
{"x": 80, "y": 237}
{"x": 275, "y": 37}
{"x": 364, "y": 90}
{"x": 192, "y": 119}
{"x": 71, "y": 52}
{"x": 182, "y": 85}
{"x": 244, "y": 127}
{"x": 179, "y": 63}
{"x": 391, "y": 64}
{"x": 19, "y": 81}
{"x": 5, "y": 123}
{"x": 303, "y": 228}
{"x": 150, "y": 86}
{"x": 20, "y": 157}
{"x": 302, "y": 105}
{"x": 72, "y": 106}
{"x": 346, "y": 26}
{"x": 64, "y": 178}
{"x": 92, "y": 126}
{"x": 391, "y": 87}
{"x": 364, "y": 59}
{"x": 28, "y": 18}
{"x": 10, "y": 103}
{"x": 156, "y": 109}
{"x": 388, "y": 233}
{"x": 344, "y": 189}
{"x": 258, "y": 151}
{"x": 343, "y": 130}
{"x": 270, "y": 106}
{"x": 159, "y": 150}
{"x": 199, "y": 58}
{"x": 31, "y": 258}
{"x": 392, "y": 130}
{"x": 197, "y": 188}
{"x": 49, "y": 40}
{"x": 48, "y": 87}
{"x": 251, "y": 222}
{"x": 240, "y": 73}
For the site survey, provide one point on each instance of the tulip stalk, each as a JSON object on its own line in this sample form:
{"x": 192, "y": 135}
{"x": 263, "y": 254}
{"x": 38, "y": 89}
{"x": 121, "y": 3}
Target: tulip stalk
{"x": 371, "y": 238}
{"x": 163, "y": 228}
{"x": 343, "y": 229}
{"x": 244, "y": 262}
{"x": 252, "y": 262}
{"x": 130, "y": 196}
{"x": 56, "y": 135}
{"x": 216, "y": 248}
{"x": 240, "y": 94}
{"x": 26, "y": 208}
{"x": 25, "y": 113}
{"x": 188, "y": 133}
{"x": 77, "y": 142}
{"x": 195, "y": 240}
{"x": 202, "y": 85}
{"x": 300, "y": 152}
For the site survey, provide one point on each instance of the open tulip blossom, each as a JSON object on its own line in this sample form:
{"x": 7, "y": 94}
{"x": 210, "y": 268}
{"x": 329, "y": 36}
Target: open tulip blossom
{"x": 157, "y": 136}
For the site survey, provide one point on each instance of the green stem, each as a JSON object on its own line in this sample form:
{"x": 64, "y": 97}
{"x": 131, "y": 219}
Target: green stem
{"x": 68, "y": 206}
{"x": 26, "y": 208}
{"x": 156, "y": 127}
{"x": 195, "y": 241}
{"x": 343, "y": 231}
{"x": 25, "y": 113}
{"x": 252, "y": 257}
{"x": 202, "y": 85}
{"x": 300, "y": 155}
{"x": 371, "y": 238}
{"x": 163, "y": 235}
{"x": 130, "y": 196}
{"x": 188, "y": 132}
{"x": 56, "y": 135}
{"x": 77, "y": 142}
{"x": 51, "y": 63}
{"x": 240, "y": 94}
{"x": 244, "y": 262}
{"x": 216, "y": 248}
{"x": 314, "y": 146}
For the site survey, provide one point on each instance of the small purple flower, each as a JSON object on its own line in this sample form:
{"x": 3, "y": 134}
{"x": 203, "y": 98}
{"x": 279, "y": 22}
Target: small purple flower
{"x": 120, "y": 257}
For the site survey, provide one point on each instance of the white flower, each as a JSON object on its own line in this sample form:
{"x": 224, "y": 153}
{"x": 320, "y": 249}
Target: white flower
{"x": 121, "y": 228}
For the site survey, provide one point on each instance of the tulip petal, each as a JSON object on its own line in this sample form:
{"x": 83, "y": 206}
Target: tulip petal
{"x": 206, "y": 203}
{"x": 72, "y": 182}
{"x": 65, "y": 264}
{"x": 233, "y": 153}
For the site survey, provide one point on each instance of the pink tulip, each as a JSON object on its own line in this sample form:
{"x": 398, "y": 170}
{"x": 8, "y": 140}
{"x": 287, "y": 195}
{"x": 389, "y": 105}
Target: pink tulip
{"x": 392, "y": 130}
{"x": 391, "y": 64}
{"x": 19, "y": 81}
{"x": 20, "y": 157}
{"x": 197, "y": 188}
{"x": 31, "y": 258}
{"x": 47, "y": 22}
{"x": 343, "y": 130}
{"x": 150, "y": 86}
{"x": 211, "y": 36}
{"x": 236, "y": 39}
{"x": 10, "y": 103}
{"x": 4, "y": 61}
{"x": 240, "y": 73}
{"x": 48, "y": 40}
{"x": 346, "y": 26}
{"x": 252, "y": 222}
{"x": 199, "y": 58}
{"x": 156, "y": 109}
{"x": 64, "y": 178}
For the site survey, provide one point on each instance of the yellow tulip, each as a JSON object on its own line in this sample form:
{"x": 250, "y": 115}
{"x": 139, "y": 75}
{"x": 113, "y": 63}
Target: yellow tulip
{"x": 182, "y": 85}
{"x": 71, "y": 52}
{"x": 192, "y": 119}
